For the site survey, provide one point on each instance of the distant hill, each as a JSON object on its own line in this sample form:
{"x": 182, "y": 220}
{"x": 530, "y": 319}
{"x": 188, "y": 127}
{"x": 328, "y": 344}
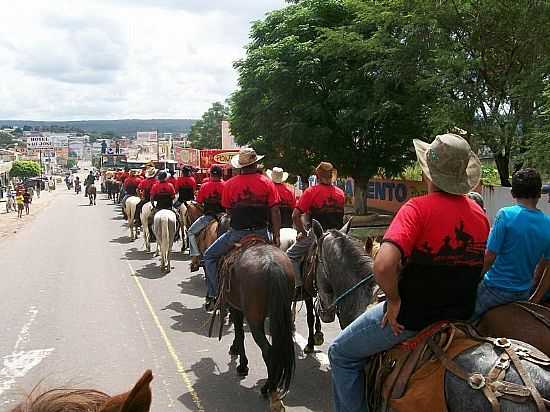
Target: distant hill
{"x": 123, "y": 127}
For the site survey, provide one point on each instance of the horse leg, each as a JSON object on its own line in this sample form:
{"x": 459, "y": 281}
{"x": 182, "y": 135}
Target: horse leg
{"x": 237, "y": 347}
{"x": 258, "y": 333}
{"x": 310, "y": 323}
{"x": 318, "y": 337}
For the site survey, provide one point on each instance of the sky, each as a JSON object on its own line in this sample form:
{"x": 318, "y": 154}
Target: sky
{"x": 120, "y": 59}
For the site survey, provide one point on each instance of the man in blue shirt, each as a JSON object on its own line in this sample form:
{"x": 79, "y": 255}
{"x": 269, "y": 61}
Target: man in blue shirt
{"x": 518, "y": 249}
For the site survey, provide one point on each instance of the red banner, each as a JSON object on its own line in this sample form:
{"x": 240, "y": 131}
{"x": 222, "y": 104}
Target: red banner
{"x": 211, "y": 157}
{"x": 187, "y": 156}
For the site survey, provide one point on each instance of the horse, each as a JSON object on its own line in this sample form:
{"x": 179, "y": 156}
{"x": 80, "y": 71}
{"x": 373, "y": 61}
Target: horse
{"x": 130, "y": 210}
{"x": 138, "y": 399}
{"x": 91, "y": 192}
{"x": 345, "y": 282}
{"x": 262, "y": 281}
{"x": 146, "y": 211}
{"x": 188, "y": 213}
{"x": 164, "y": 228}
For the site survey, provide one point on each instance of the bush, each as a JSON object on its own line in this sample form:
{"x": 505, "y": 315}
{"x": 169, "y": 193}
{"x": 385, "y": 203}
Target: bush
{"x": 25, "y": 169}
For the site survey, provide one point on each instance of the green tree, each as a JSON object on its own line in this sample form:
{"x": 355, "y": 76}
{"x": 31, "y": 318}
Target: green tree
{"x": 6, "y": 140}
{"x": 537, "y": 145}
{"x": 206, "y": 133}
{"x": 25, "y": 169}
{"x": 331, "y": 80}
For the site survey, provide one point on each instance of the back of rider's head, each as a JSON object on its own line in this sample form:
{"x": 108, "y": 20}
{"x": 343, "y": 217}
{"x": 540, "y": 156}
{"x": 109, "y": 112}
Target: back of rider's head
{"x": 162, "y": 176}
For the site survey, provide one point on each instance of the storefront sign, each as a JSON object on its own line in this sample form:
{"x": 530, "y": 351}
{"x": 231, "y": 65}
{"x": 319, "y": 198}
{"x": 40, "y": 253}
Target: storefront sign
{"x": 215, "y": 156}
{"x": 390, "y": 195}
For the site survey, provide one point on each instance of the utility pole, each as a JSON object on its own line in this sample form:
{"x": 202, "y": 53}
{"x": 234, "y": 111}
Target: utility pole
{"x": 158, "y": 147}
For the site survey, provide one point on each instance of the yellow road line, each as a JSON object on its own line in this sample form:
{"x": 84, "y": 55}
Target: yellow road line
{"x": 179, "y": 365}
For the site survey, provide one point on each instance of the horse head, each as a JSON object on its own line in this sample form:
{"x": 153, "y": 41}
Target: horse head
{"x": 343, "y": 275}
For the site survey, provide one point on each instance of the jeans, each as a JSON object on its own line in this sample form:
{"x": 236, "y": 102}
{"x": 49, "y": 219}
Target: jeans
{"x": 349, "y": 354}
{"x": 297, "y": 252}
{"x": 194, "y": 230}
{"x": 490, "y": 296}
{"x": 218, "y": 249}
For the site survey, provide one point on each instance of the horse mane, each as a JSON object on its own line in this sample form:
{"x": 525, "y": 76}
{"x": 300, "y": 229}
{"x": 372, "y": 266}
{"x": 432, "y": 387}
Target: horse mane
{"x": 61, "y": 400}
{"x": 352, "y": 254}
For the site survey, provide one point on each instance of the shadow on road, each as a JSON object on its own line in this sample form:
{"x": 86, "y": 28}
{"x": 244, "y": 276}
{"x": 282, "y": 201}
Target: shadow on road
{"x": 195, "y": 320}
{"x": 222, "y": 391}
{"x": 194, "y": 286}
{"x": 151, "y": 271}
{"x": 137, "y": 254}
{"x": 124, "y": 240}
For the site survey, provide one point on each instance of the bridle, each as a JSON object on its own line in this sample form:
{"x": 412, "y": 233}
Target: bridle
{"x": 319, "y": 262}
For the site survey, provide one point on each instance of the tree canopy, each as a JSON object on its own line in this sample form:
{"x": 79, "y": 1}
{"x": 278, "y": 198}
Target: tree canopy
{"x": 206, "y": 133}
{"x": 6, "y": 140}
{"x": 25, "y": 169}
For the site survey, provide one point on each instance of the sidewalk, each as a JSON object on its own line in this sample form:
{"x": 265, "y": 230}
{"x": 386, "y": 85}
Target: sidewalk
{"x": 11, "y": 224}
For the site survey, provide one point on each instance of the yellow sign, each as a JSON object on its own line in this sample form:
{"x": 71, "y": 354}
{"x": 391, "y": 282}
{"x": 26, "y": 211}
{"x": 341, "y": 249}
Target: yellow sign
{"x": 224, "y": 157}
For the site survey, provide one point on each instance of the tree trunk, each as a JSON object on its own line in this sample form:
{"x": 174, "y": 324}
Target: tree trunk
{"x": 503, "y": 167}
{"x": 360, "y": 195}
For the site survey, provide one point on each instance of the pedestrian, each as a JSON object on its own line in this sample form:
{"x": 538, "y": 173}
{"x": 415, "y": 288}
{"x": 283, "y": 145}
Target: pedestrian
{"x": 518, "y": 249}
{"x": 20, "y": 203}
{"x": 27, "y": 199}
{"x": 38, "y": 188}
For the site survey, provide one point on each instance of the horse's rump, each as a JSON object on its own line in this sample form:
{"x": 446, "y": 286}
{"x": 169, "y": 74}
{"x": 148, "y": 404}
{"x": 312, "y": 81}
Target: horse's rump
{"x": 524, "y": 321}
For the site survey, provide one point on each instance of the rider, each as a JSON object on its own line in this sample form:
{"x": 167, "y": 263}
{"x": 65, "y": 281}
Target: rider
{"x": 186, "y": 185}
{"x": 144, "y": 188}
{"x": 90, "y": 180}
{"x": 518, "y": 242}
{"x": 429, "y": 266}
{"x": 172, "y": 178}
{"x": 131, "y": 183}
{"x": 252, "y": 201}
{"x": 77, "y": 184}
{"x": 323, "y": 202}
{"x": 162, "y": 193}
{"x": 288, "y": 200}
{"x": 210, "y": 196}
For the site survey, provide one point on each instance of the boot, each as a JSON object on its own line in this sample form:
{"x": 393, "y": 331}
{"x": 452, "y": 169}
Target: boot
{"x": 195, "y": 263}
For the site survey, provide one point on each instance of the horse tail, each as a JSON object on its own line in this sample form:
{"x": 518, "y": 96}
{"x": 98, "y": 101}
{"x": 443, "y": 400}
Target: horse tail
{"x": 165, "y": 235}
{"x": 282, "y": 360}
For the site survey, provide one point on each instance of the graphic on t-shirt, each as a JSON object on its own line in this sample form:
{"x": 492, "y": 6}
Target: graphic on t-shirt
{"x": 463, "y": 250}
{"x": 249, "y": 198}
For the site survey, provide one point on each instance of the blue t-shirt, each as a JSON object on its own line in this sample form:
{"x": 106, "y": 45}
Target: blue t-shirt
{"x": 519, "y": 237}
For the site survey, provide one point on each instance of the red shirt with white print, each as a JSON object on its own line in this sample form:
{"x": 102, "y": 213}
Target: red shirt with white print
{"x": 324, "y": 203}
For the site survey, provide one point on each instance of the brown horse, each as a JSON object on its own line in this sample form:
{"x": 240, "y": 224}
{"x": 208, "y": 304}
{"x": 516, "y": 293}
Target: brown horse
{"x": 188, "y": 213}
{"x": 258, "y": 285}
{"x": 91, "y": 192}
{"x": 89, "y": 400}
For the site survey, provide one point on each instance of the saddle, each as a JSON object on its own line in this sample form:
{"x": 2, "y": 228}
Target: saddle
{"x": 211, "y": 231}
{"x": 225, "y": 271}
{"x": 411, "y": 376}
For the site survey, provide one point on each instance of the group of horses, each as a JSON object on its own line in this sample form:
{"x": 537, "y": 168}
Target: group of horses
{"x": 495, "y": 375}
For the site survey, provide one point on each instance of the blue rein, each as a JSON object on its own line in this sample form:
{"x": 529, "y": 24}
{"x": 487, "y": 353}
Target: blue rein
{"x": 349, "y": 291}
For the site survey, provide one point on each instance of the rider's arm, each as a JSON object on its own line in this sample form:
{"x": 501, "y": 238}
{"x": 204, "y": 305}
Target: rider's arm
{"x": 488, "y": 260}
{"x": 386, "y": 270}
{"x": 297, "y": 220}
{"x": 276, "y": 224}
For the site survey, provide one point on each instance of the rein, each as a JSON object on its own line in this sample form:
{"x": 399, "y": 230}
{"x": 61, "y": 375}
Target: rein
{"x": 349, "y": 292}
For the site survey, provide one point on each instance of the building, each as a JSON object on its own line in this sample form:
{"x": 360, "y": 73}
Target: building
{"x": 228, "y": 140}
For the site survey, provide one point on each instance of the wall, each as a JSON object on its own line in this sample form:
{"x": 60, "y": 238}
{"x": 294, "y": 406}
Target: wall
{"x": 390, "y": 195}
{"x": 497, "y": 197}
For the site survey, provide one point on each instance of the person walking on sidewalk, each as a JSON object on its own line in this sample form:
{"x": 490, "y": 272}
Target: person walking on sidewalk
{"x": 27, "y": 199}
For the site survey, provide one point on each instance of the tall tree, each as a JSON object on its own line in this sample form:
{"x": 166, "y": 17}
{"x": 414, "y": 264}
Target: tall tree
{"x": 329, "y": 80}
{"x": 536, "y": 151}
{"x": 206, "y": 133}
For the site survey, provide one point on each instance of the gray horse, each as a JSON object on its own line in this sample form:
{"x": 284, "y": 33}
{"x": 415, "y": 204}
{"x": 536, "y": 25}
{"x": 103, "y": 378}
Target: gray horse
{"x": 345, "y": 286}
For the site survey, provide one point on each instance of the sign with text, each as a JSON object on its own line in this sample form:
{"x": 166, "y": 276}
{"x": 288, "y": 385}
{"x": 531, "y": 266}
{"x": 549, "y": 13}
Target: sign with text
{"x": 215, "y": 156}
{"x": 187, "y": 156}
{"x": 390, "y": 195}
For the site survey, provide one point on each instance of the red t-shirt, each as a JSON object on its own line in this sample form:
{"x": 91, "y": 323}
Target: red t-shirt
{"x": 287, "y": 205}
{"x": 163, "y": 188}
{"x": 186, "y": 186}
{"x": 173, "y": 181}
{"x": 248, "y": 198}
{"x": 210, "y": 195}
{"x": 146, "y": 185}
{"x": 324, "y": 203}
{"x": 131, "y": 184}
{"x": 442, "y": 241}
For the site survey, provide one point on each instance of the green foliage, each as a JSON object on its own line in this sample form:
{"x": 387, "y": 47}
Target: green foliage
{"x": 6, "y": 140}
{"x": 25, "y": 169}
{"x": 207, "y": 132}
{"x": 490, "y": 176}
{"x": 536, "y": 151}
{"x": 71, "y": 163}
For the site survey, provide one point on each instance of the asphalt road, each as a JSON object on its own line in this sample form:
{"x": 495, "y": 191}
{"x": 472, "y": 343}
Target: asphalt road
{"x": 83, "y": 306}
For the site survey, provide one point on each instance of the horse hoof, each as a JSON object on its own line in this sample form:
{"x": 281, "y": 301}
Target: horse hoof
{"x": 309, "y": 349}
{"x": 242, "y": 370}
{"x": 318, "y": 338}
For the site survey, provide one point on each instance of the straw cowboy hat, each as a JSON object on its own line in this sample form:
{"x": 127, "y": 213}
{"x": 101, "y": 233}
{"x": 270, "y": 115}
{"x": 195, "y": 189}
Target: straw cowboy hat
{"x": 150, "y": 172}
{"x": 449, "y": 163}
{"x": 277, "y": 175}
{"x": 246, "y": 157}
{"x": 326, "y": 170}
{"x": 134, "y": 172}
{"x": 109, "y": 174}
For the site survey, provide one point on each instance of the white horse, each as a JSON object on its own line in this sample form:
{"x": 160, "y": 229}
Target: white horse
{"x": 164, "y": 227}
{"x": 130, "y": 209}
{"x": 145, "y": 213}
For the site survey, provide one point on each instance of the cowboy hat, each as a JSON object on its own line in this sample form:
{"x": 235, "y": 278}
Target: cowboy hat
{"x": 277, "y": 175}
{"x": 150, "y": 172}
{"x": 246, "y": 157}
{"x": 449, "y": 163}
{"x": 134, "y": 172}
{"x": 326, "y": 170}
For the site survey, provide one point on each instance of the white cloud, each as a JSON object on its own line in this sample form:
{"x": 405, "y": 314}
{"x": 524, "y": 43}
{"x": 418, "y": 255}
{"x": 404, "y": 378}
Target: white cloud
{"x": 71, "y": 59}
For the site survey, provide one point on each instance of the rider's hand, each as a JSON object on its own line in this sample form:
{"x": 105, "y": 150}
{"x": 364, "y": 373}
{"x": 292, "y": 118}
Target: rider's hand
{"x": 300, "y": 236}
{"x": 392, "y": 311}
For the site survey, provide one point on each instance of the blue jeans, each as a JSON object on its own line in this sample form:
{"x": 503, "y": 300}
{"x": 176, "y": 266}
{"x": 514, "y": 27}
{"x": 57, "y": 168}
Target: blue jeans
{"x": 349, "y": 354}
{"x": 218, "y": 249}
{"x": 194, "y": 230}
{"x": 490, "y": 296}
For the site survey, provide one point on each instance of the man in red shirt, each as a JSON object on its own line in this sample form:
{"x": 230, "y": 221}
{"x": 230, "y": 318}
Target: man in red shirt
{"x": 253, "y": 202}
{"x": 429, "y": 266}
{"x": 172, "y": 179}
{"x": 144, "y": 189}
{"x": 162, "y": 193}
{"x": 323, "y": 202}
{"x": 131, "y": 183}
{"x": 210, "y": 196}
{"x": 186, "y": 185}
{"x": 288, "y": 200}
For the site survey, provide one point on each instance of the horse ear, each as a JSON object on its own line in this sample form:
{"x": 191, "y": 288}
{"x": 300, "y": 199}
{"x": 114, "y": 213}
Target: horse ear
{"x": 317, "y": 228}
{"x": 137, "y": 400}
{"x": 346, "y": 228}
{"x": 369, "y": 243}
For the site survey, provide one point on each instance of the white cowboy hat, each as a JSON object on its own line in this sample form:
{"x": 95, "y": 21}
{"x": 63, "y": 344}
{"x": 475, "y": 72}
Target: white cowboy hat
{"x": 151, "y": 172}
{"x": 277, "y": 175}
{"x": 246, "y": 157}
{"x": 449, "y": 163}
